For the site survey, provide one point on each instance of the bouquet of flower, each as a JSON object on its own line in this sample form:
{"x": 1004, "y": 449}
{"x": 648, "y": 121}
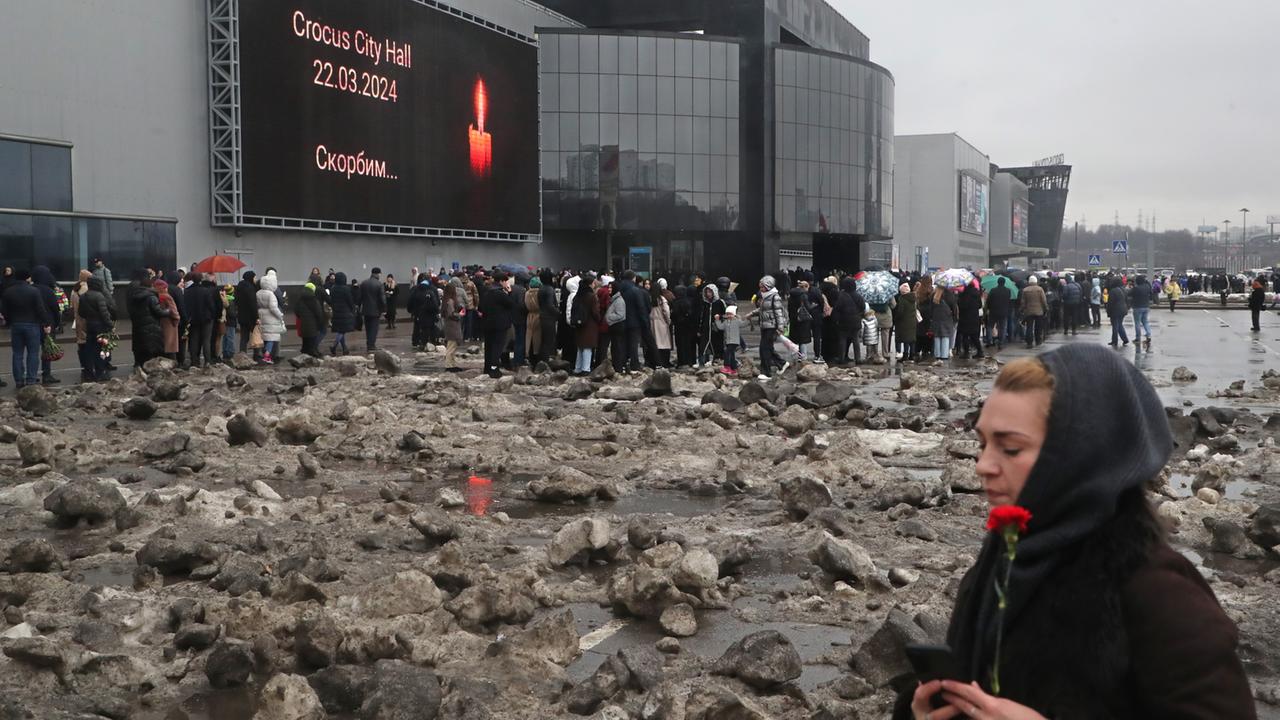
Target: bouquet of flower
{"x": 107, "y": 342}
{"x": 50, "y": 350}
{"x": 1009, "y": 521}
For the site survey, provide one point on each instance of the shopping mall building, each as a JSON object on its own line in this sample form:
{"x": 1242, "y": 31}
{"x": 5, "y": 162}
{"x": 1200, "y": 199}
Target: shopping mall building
{"x": 660, "y": 135}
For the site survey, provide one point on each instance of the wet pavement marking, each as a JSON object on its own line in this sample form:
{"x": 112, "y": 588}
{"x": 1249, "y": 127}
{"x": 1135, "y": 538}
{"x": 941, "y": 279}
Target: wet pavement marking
{"x": 600, "y": 634}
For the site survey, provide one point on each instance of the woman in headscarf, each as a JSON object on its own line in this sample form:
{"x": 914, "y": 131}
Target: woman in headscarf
{"x": 344, "y": 312}
{"x": 685, "y": 324}
{"x": 904, "y": 322}
{"x": 270, "y": 318}
{"x": 969, "y": 305}
{"x": 533, "y": 321}
{"x": 924, "y": 305}
{"x": 1100, "y": 617}
{"x": 86, "y": 352}
{"x": 943, "y": 319}
{"x": 389, "y": 289}
{"x": 584, "y": 318}
{"x": 169, "y": 320}
{"x": 660, "y": 319}
{"x": 310, "y": 314}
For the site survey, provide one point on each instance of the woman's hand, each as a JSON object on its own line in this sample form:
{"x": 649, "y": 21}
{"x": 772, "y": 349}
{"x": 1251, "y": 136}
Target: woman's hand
{"x": 967, "y": 701}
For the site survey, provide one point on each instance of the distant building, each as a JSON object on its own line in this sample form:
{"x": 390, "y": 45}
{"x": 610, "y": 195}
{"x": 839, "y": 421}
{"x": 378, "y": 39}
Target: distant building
{"x": 942, "y": 202}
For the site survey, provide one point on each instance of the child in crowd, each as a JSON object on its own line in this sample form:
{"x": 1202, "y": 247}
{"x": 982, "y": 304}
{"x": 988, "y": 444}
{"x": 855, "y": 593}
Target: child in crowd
{"x": 731, "y": 326}
{"x": 871, "y": 335}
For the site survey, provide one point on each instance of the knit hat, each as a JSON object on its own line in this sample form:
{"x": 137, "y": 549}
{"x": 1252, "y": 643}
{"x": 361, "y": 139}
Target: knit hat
{"x": 768, "y": 283}
{"x": 731, "y": 311}
{"x": 1033, "y": 280}
{"x": 662, "y": 283}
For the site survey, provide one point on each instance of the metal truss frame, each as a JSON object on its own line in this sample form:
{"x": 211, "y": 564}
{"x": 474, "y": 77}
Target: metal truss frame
{"x": 226, "y": 178}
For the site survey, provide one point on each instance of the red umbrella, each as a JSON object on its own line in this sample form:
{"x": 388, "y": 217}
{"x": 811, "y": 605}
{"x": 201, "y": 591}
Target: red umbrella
{"x": 219, "y": 264}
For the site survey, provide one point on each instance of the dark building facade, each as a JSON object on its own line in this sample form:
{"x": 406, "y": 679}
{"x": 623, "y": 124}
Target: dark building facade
{"x": 1047, "y": 187}
{"x": 714, "y": 136}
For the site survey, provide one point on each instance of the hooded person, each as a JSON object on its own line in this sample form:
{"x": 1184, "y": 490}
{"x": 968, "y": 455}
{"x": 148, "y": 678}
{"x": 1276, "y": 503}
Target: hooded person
{"x": 310, "y": 318}
{"x": 904, "y": 322}
{"x": 343, "y": 321}
{"x": 1095, "y": 301}
{"x": 146, "y": 314}
{"x": 1100, "y": 617}
{"x": 246, "y": 309}
{"x": 660, "y": 320}
{"x": 710, "y": 339}
{"x": 424, "y": 307}
{"x": 847, "y": 315}
{"x": 1035, "y": 307}
{"x": 548, "y": 312}
{"x": 453, "y": 307}
{"x": 773, "y": 320}
{"x": 584, "y": 318}
{"x": 44, "y": 282}
{"x": 684, "y": 324}
{"x": 270, "y": 318}
{"x": 96, "y": 316}
{"x": 533, "y": 321}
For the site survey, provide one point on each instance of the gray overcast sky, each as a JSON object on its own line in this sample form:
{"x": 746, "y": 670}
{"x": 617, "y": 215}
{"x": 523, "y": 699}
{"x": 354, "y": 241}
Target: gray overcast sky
{"x": 1164, "y": 105}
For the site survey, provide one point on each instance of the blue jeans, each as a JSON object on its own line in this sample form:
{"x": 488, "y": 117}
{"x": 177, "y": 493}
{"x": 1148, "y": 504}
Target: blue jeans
{"x": 269, "y": 347}
{"x": 26, "y": 353}
{"x": 1140, "y": 324}
{"x": 583, "y": 364}
{"x": 1117, "y": 330}
{"x": 229, "y": 341}
{"x": 941, "y": 347}
{"x": 371, "y": 333}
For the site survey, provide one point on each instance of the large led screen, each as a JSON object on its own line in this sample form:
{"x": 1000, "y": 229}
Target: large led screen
{"x": 973, "y": 204}
{"x": 388, "y": 112}
{"x": 1021, "y": 215}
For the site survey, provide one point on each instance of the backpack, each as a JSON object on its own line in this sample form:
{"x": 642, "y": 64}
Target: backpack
{"x": 617, "y": 310}
{"x": 802, "y": 313}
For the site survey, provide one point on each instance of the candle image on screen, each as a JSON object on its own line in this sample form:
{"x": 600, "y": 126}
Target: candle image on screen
{"x": 481, "y": 141}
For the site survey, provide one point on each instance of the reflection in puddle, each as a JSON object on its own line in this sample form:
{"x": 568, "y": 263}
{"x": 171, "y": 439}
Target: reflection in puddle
{"x": 479, "y": 495}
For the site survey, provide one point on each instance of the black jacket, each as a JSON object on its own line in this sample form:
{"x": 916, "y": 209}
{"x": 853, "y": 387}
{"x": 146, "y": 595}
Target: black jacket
{"x": 23, "y": 303}
{"x": 247, "y": 302}
{"x": 373, "y": 298}
{"x": 998, "y": 301}
{"x": 497, "y": 306}
{"x": 344, "y": 306}
{"x": 849, "y": 307}
{"x": 547, "y": 310}
{"x": 97, "y": 309}
{"x": 1257, "y": 299}
{"x": 310, "y": 313}
{"x": 202, "y": 303}
{"x": 424, "y": 302}
{"x": 145, "y": 312}
{"x": 636, "y": 300}
{"x": 1117, "y": 303}
{"x": 801, "y": 331}
{"x": 42, "y": 280}
{"x": 1140, "y": 295}
{"x": 970, "y": 306}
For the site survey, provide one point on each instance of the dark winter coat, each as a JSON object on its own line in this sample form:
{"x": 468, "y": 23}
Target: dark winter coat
{"x": 1140, "y": 296}
{"x": 372, "y": 298}
{"x": 849, "y": 307}
{"x": 587, "y": 305}
{"x": 343, "y": 304}
{"x": 904, "y": 317}
{"x": 1117, "y": 303}
{"x": 44, "y": 283}
{"x": 145, "y": 313}
{"x": 246, "y": 300}
{"x": 450, "y": 308}
{"x": 945, "y": 314}
{"x": 801, "y": 331}
{"x": 23, "y": 303}
{"x": 1257, "y": 299}
{"x": 96, "y": 309}
{"x": 497, "y": 306}
{"x": 1072, "y": 293}
{"x": 970, "y": 306}
{"x": 637, "y": 304}
{"x": 999, "y": 300}
{"x": 424, "y": 302}
{"x": 310, "y": 313}
{"x": 202, "y": 303}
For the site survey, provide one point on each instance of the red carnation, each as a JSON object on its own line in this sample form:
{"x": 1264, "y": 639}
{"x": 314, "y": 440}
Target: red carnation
{"x": 1006, "y": 515}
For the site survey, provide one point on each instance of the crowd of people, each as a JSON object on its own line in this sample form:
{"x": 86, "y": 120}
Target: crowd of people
{"x": 582, "y": 319}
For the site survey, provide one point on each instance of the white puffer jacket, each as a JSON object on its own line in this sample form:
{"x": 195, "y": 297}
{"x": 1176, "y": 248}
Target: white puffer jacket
{"x": 270, "y": 317}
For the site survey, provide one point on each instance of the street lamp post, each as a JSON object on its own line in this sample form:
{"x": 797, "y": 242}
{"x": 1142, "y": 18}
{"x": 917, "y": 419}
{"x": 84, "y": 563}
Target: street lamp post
{"x": 1244, "y": 238}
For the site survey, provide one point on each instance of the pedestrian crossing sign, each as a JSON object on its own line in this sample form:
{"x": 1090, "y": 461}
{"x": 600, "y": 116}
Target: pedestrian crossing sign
{"x": 1095, "y": 261}
{"x": 1119, "y": 247}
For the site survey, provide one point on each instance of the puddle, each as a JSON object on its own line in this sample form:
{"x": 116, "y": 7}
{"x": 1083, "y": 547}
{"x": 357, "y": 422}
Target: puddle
{"x": 1236, "y": 489}
{"x": 1222, "y": 562}
{"x": 120, "y": 575}
{"x": 652, "y": 502}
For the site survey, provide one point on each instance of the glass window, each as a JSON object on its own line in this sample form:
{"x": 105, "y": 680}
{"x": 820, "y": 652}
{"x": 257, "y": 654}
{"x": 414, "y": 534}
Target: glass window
{"x": 589, "y": 130}
{"x": 666, "y": 172}
{"x": 590, "y": 171}
{"x": 648, "y": 55}
{"x": 51, "y": 177}
{"x": 788, "y": 75}
{"x": 569, "y": 92}
{"x": 717, "y": 165}
{"x": 684, "y": 58}
{"x": 701, "y": 96}
{"x": 549, "y": 161}
{"x": 684, "y": 134}
{"x": 701, "y": 134}
{"x": 732, "y": 99}
{"x": 666, "y": 95}
{"x": 802, "y": 142}
{"x": 718, "y": 108}
{"x": 718, "y": 130}
{"x": 684, "y": 172}
{"x": 824, "y": 108}
{"x": 785, "y": 96}
{"x": 732, "y": 62}
{"x": 648, "y": 93}
{"x": 627, "y": 87}
{"x": 731, "y": 174}
{"x": 731, "y": 137}
{"x": 15, "y": 175}
{"x": 589, "y": 93}
{"x": 609, "y": 54}
{"x": 627, "y": 55}
{"x": 648, "y": 171}
{"x": 684, "y": 96}
{"x": 568, "y": 53}
{"x": 628, "y": 133}
{"x": 719, "y": 59}
{"x": 648, "y": 133}
{"x": 701, "y": 173}
{"x": 550, "y": 131}
{"x": 55, "y": 247}
{"x": 609, "y": 93}
{"x": 549, "y": 91}
{"x": 588, "y": 54}
{"x": 701, "y": 58}
{"x": 666, "y": 134}
{"x": 549, "y": 52}
{"x": 628, "y": 170}
{"x": 16, "y": 240}
{"x": 568, "y": 131}
{"x": 666, "y": 57}
{"x": 608, "y": 129}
